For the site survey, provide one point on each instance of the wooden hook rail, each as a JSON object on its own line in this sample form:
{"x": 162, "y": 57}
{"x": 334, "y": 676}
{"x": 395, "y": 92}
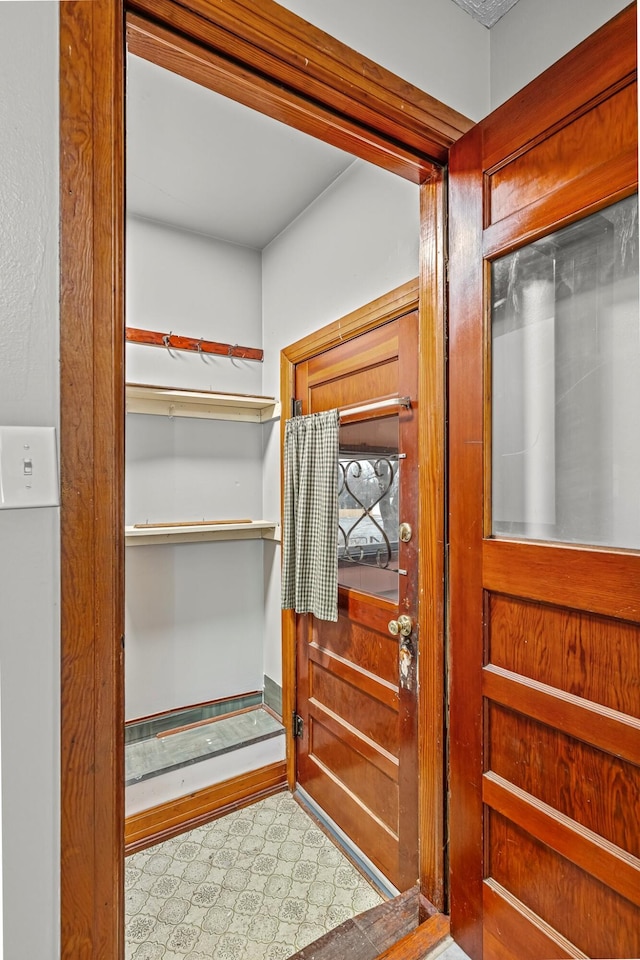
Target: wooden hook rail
{"x": 174, "y": 342}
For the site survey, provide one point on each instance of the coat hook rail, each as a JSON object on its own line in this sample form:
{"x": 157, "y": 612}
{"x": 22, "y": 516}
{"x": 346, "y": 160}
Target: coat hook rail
{"x": 172, "y": 341}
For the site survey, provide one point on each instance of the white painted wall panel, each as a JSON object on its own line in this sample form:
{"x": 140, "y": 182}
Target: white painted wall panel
{"x": 29, "y": 539}
{"x": 435, "y": 45}
{"x": 180, "y": 646}
{"x": 359, "y": 240}
{"x": 194, "y": 624}
{"x": 536, "y": 33}
{"x": 189, "y": 284}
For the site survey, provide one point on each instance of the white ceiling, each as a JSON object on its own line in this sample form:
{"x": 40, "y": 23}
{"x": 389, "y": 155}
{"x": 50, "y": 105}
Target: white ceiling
{"x": 204, "y": 163}
{"x": 487, "y": 12}
{"x": 201, "y": 162}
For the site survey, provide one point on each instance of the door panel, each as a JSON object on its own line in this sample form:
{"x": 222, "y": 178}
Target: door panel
{"x": 357, "y": 757}
{"x": 544, "y": 527}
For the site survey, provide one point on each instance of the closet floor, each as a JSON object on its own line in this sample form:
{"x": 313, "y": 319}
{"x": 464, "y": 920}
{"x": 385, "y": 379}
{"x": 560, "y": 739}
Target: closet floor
{"x": 171, "y": 751}
{"x": 258, "y": 884}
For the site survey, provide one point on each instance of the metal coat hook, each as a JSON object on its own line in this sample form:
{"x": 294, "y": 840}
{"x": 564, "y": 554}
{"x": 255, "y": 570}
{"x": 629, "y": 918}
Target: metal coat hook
{"x": 167, "y": 342}
{"x": 202, "y": 346}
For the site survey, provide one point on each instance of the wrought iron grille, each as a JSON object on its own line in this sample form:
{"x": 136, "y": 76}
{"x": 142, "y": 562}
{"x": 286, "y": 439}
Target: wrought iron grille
{"x": 368, "y": 492}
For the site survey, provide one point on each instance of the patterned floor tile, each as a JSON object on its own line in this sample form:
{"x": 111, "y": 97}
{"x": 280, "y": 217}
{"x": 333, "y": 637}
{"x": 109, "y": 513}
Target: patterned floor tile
{"x": 258, "y": 884}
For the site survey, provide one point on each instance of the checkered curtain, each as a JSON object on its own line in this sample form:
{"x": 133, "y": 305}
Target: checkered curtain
{"x": 310, "y": 523}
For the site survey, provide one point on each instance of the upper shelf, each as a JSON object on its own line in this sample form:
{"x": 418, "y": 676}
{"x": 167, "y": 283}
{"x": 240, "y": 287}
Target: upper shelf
{"x": 166, "y": 401}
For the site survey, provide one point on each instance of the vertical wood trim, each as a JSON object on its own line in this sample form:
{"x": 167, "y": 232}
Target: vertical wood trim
{"x": 92, "y": 411}
{"x": 431, "y": 540}
{"x": 466, "y": 403}
{"x": 288, "y": 640}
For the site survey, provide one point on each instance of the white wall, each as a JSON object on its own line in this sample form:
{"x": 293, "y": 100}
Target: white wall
{"x": 431, "y": 43}
{"x": 29, "y": 539}
{"x": 536, "y": 33}
{"x": 189, "y": 284}
{"x": 194, "y": 621}
{"x": 357, "y": 241}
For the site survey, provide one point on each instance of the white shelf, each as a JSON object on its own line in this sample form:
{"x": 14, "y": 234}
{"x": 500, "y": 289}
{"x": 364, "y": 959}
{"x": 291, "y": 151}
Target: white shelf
{"x": 165, "y": 401}
{"x": 148, "y": 536}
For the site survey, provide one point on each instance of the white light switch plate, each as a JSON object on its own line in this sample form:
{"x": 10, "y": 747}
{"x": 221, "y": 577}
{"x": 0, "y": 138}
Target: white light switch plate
{"x": 28, "y": 467}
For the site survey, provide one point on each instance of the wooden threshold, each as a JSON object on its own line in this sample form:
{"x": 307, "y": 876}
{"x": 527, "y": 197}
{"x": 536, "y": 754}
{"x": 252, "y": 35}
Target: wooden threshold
{"x": 365, "y": 936}
{"x": 185, "y": 813}
{"x": 389, "y": 931}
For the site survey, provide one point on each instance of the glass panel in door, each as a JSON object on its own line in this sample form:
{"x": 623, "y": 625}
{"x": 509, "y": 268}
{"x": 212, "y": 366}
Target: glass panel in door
{"x": 566, "y": 384}
{"x": 369, "y": 504}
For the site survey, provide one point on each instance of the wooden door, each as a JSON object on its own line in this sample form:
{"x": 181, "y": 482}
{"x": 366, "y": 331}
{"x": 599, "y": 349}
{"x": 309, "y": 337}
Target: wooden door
{"x": 544, "y": 525}
{"x": 357, "y": 682}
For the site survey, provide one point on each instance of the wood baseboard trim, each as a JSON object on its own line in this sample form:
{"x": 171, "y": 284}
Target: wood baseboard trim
{"x": 185, "y": 813}
{"x": 417, "y": 943}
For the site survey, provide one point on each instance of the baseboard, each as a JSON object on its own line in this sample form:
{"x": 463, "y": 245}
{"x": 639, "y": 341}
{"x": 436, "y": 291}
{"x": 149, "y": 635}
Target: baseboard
{"x": 176, "y": 816}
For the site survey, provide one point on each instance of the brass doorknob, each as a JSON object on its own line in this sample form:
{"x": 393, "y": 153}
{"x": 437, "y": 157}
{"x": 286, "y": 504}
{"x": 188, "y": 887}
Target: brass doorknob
{"x": 402, "y": 626}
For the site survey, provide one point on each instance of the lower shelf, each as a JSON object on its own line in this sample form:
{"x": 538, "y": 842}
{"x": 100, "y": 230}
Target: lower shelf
{"x": 255, "y": 530}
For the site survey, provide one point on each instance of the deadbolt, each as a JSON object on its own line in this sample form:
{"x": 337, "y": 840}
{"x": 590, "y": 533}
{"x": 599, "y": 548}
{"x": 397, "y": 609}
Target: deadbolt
{"x": 405, "y": 532}
{"x": 400, "y": 626}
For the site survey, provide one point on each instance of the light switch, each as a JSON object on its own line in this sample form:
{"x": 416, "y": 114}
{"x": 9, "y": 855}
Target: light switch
{"x": 28, "y": 467}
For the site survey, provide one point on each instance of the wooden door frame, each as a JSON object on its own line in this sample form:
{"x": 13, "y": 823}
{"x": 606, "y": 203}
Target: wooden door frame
{"x": 260, "y": 54}
{"x": 426, "y": 293}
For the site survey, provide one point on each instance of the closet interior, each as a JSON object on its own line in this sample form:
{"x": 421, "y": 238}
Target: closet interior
{"x": 243, "y": 236}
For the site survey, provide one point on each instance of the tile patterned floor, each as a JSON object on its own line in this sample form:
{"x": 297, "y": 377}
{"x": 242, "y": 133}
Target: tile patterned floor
{"x": 155, "y": 755}
{"x": 448, "y": 951}
{"x": 258, "y": 884}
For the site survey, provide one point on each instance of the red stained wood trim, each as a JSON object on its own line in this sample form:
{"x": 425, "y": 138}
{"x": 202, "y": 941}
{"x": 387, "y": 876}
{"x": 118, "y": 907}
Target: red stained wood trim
{"x": 374, "y": 753}
{"x": 374, "y": 612}
{"x": 91, "y": 468}
{"x": 594, "y": 139}
{"x": 172, "y": 341}
{"x": 582, "y": 196}
{"x": 295, "y": 55}
{"x": 430, "y": 542}
{"x": 177, "y": 816}
{"x": 416, "y": 944}
{"x": 466, "y": 392}
{"x": 608, "y": 730}
{"x": 328, "y": 792}
{"x": 208, "y": 69}
{"x": 599, "y": 858}
{"x": 564, "y": 88}
{"x": 505, "y": 917}
{"x": 390, "y": 306}
{"x": 376, "y": 686}
{"x": 597, "y": 580}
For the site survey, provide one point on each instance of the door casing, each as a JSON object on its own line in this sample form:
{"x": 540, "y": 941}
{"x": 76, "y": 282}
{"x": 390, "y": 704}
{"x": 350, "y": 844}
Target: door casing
{"x": 255, "y": 50}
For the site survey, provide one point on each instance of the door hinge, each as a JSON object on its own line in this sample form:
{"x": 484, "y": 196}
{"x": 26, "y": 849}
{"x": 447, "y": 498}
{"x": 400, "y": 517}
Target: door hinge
{"x": 297, "y": 725}
{"x": 296, "y": 407}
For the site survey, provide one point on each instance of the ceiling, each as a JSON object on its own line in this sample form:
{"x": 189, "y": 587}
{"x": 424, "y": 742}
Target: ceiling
{"x": 201, "y": 162}
{"x": 204, "y": 163}
{"x": 486, "y": 12}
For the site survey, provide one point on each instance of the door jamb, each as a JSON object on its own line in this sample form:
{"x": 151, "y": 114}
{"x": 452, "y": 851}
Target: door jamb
{"x": 261, "y": 42}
